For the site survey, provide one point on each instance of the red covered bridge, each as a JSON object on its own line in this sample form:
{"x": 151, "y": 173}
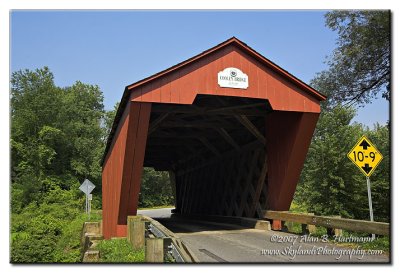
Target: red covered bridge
{"x": 230, "y": 126}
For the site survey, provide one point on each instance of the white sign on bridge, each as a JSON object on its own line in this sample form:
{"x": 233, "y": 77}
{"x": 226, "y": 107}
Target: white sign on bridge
{"x": 233, "y": 78}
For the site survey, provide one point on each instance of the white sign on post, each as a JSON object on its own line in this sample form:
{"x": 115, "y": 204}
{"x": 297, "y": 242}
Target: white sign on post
{"x": 232, "y": 77}
{"x": 87, "y": 187}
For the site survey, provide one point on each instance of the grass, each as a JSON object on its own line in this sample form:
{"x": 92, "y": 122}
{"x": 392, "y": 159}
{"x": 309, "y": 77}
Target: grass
{"x": 95, "y": 216}
{"x": 380, "y": 243}
{"x": 70, "y": 241}
{"x": 119, "y": 251}
{"x": 116, "y": 250}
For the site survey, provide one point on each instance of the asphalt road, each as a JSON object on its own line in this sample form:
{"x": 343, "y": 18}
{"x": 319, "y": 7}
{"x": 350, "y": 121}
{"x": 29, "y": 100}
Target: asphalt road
{"x": 216, "y": 242}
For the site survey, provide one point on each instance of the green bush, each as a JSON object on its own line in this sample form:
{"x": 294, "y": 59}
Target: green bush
{"x": 119, "y": 251}
{"x": 50, "y": 231}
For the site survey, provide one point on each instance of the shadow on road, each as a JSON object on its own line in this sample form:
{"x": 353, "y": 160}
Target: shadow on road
{"x": 180, "y": 224}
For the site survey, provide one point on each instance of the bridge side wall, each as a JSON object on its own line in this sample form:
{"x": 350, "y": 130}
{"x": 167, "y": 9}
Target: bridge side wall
{"x": 288, "y": 138}
{"x": 112, "y": 177}
{"x": 122, "y": 169}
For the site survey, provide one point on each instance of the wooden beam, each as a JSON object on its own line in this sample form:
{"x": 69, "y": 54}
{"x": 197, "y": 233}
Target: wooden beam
{"x": 250, "y": 126}
{"x": 198, "y": 124}
{"x": 209, "y": 145}
{"x": 227, "y": 137}
{"x": 259, "y": 186}
{"x": 245, "y": 147}
{"x": 219, "y": 186}
{"x": 248, "y": 176}
{"x": 187, "y": 159}
{"x": 193, "y": 109}
{"x": 135, "y": 231}
{"x": 262, "y": 204}
{"x": 179, "y": 135}
{"x": 235, "y": 188}
{"x": 171, "y": 141}
{"x": 235, "y": 107}
{"x": 330, "y": 222}
{"x": 229, "y": 171}
{"x": 154, "y": 250}
{"x": 156, "y": 123}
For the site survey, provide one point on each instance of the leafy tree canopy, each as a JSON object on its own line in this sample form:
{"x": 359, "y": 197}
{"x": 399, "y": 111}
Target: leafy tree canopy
{"x": 359, "y": 68}
{"x": 55, "y": 133}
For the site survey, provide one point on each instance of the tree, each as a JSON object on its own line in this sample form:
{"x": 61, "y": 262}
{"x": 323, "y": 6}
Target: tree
{"x": 330, "y": 184}
{"x": 108, "y": 121}
{"x": 34, "y": 109}
{"x": 56, "y": 141}
{"x": 380, "y": 179}
{"x": 327, "y": 182}
{"x": 55, "y": 133}
{"x": 83, "y": 111}
{"x": 155, "y": 189}
{"x": 359, "y": 68}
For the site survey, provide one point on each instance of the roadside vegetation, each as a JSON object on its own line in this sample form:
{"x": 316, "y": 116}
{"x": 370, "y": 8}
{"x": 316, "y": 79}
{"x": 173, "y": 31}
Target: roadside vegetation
{"x": 119, "y": 251}
{"x": 57, "y": 140}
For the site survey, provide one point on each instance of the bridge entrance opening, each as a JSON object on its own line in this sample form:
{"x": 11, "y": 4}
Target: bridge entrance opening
{"x": 215, "y": 153}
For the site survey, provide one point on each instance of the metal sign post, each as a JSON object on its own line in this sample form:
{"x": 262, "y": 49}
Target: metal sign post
{"x": 89, "y": 197}
{"x": 87, "y": 187}
{"x": 87, "y": 200}
{"x": 86, "y": 204}
{"x": 371, "y": 212}
{"x": 366, "y": 157}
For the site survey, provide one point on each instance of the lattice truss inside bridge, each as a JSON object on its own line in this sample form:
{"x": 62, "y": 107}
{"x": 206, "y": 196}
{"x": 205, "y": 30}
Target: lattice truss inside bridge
{"x": 215, "y": 152}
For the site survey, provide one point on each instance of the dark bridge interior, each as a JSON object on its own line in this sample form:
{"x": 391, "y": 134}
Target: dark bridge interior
{"x": 215, "y": 152}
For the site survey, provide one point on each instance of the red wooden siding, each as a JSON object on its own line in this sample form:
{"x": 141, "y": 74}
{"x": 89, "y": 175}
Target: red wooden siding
{"x": 122, "y": 169}
{"x": 112, "y": 177}
{"x": 200, "y": 77}
{"x": 134, "y": 156}
{"x": 288, "y": 138}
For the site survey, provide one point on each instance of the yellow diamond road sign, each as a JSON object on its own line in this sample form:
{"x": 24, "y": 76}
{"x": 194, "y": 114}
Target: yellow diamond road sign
{"x": 365, "y": 156}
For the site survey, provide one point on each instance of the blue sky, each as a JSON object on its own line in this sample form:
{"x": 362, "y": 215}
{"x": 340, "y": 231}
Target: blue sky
{"x": 114, "y": 49}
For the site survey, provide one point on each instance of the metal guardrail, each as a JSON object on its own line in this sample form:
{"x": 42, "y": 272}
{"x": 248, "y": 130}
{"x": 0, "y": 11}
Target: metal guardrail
{"x": 156, "y": 232}
{"x": 174, "y": 248}
{"x": 174, "y": 252}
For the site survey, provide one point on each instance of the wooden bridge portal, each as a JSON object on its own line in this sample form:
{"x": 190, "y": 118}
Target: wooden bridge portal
{"x": 234, "y": 144}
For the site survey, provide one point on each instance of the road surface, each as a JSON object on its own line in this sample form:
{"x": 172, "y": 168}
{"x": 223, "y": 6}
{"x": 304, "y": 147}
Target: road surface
{"x": 217, "y": 242}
